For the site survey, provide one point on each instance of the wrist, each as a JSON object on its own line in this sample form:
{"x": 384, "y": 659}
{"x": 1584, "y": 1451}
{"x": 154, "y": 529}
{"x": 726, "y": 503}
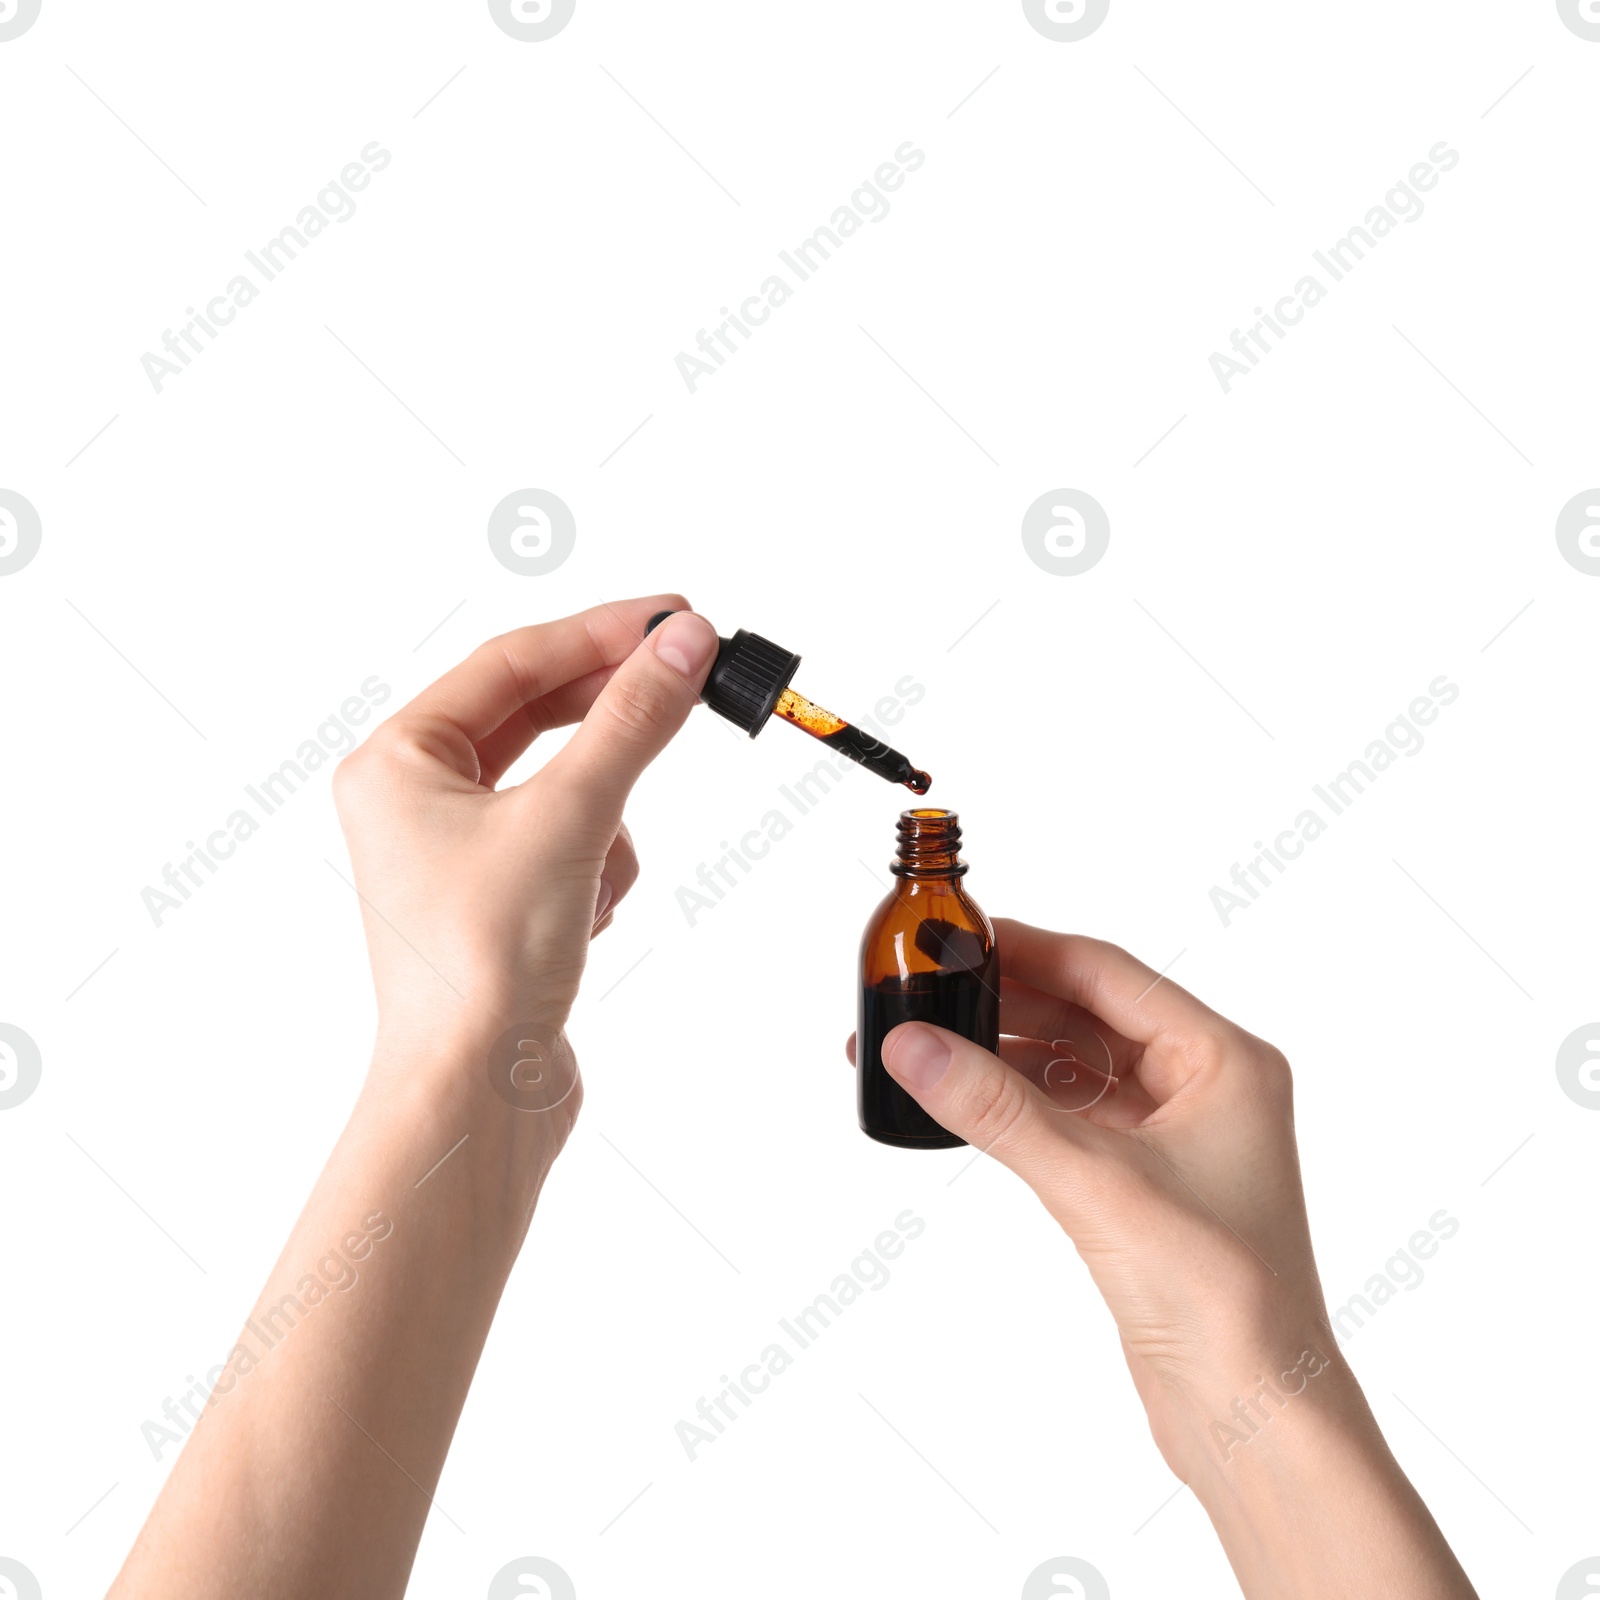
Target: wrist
{"x": 1244, "y": 1380}
{"x": 1279, "y": 1409}
{"x": 1306, "y": 1496}
{"x": 497, "y": 1107}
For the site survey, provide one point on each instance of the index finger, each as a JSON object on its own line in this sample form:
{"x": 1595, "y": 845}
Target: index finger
{"x": 1139, "y": 1002}
{"x": 511, "y": 671}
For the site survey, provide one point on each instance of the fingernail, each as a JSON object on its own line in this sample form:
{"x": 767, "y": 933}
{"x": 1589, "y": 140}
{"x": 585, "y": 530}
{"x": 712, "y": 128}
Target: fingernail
{"x": 602, "y": 900}
{"x": 916, "y": 1057}
{"x": 686, "y": 643}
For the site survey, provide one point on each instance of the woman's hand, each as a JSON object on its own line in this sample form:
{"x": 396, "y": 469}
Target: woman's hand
{"x": 479, "y": 903}
{"x": 314, "y": 1461}
{"x": 1161, "y": 1137}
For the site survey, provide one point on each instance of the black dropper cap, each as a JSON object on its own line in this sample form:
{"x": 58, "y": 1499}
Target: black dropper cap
{"x": 747, "y": 678}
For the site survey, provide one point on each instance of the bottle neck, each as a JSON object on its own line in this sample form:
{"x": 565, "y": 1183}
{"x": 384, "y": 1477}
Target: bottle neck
{"x": 928, "y": 845}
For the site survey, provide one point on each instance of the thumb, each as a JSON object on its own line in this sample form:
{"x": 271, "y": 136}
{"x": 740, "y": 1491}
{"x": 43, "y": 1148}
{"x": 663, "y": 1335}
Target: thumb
{"x": 976, "y": 1095}
{"x": 645, "y": 703}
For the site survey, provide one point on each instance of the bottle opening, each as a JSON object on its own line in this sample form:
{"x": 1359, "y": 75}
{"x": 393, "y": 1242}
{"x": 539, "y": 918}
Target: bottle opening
{"x": 927, "y": 845}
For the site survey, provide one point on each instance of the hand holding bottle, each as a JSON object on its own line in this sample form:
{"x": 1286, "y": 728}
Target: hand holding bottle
{"x": 1161, "y": 1137}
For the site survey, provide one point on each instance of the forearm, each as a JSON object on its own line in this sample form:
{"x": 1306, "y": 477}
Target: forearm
{"x": 1306, "y": 1497}
{"x": 350, "y": 1373}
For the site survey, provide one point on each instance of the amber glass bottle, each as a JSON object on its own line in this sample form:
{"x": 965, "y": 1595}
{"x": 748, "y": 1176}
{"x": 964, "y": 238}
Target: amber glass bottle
{"x": 928, "y": 955}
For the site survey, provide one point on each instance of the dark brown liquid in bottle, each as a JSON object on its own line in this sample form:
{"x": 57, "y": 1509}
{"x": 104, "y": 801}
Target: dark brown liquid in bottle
{"x": 928, "y": 955}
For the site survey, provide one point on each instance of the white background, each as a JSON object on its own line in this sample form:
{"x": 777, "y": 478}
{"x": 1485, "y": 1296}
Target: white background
{"x": 1288, "y": 568}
